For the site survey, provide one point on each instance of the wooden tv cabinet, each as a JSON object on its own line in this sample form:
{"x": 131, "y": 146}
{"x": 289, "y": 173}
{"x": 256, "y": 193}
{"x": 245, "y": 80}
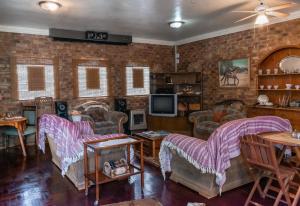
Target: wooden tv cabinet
{"x": 179, "y": 125}
{"x": 292, "y": 114}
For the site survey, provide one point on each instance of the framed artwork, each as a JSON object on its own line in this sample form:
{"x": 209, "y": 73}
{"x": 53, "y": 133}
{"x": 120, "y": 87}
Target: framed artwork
{"x": 234, "y": 73}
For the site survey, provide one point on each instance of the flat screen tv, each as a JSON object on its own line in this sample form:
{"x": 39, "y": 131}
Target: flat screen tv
{"x": 163, "y": 105}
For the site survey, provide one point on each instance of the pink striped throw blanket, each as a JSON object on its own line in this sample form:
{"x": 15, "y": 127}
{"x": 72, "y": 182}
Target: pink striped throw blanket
{"x": 68, "y": 137}
{"x": 213, "y": 156}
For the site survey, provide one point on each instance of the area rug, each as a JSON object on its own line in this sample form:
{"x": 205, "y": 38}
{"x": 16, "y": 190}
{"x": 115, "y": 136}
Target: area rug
{"x": 195, "y": 204}
{"x": 142, "y": 202}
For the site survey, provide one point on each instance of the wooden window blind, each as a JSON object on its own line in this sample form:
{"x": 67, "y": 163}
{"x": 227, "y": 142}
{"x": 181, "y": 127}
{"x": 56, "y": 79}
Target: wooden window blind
{"x": 137, "y": 81}
{"x": 90, "y": 78}
{"x": 34, "y": 77}
{"x": 138, "y": 78}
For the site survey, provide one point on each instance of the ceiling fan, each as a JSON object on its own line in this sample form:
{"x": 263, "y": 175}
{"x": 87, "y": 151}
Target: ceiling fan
{"x": 262, "y": 11}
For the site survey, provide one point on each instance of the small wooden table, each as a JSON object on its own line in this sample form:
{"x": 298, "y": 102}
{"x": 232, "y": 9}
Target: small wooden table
{"x": 151, "y": 147}
{"x": 20, "y": 125}
{"x": 97, "y": 176}
{"x": 285, "y": 139}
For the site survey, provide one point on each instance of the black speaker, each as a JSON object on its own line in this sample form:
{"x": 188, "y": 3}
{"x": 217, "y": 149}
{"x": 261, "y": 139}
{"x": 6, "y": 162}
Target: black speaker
{"x": 61, "y": 109}
{"x": 120, "y": 105}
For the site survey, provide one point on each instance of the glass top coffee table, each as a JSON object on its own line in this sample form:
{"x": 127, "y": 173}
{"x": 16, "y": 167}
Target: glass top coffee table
{"x": 97, "y": 176}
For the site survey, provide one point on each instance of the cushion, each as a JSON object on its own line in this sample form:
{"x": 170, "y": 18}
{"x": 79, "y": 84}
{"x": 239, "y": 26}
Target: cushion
{"x": 96, "y": 114}
{"x": 207, "y": 126}
{"x": 104, "y": 124}
{"x": 218, "y": 115}
{"x": 11, "y": 131}
{"x": 237, "y": 106}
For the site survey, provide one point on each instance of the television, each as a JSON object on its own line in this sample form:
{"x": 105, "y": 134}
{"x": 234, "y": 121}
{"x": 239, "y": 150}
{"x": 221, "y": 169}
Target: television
{"x": 163, "y": 105}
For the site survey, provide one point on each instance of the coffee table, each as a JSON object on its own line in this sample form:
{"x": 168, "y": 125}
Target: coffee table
{"x": 151, "y": 146}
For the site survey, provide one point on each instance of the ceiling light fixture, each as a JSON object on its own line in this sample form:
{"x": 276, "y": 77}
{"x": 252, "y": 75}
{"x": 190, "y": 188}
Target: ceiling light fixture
{"x": 176, "y": 24}
{"x": 261, "y": 19}
{"x": 49, "y": 5}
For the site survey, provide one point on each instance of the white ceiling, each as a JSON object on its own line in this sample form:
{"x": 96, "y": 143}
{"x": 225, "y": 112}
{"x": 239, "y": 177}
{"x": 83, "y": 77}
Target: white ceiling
{"x": 140, "y": 18}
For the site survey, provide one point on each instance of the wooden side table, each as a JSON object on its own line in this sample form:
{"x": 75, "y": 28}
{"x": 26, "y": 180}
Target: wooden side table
{"x": 20, "y": 125}
{"x": 151, "y": 147}
{"x": 97, "y": 176}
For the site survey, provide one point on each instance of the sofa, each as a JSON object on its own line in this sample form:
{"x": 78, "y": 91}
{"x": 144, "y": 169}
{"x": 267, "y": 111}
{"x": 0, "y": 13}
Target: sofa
{"x": 104, "y": 120}
{"x": 205, "y": 122}
{"x": 204, "y": 183}
{"x": 66, "y": 140}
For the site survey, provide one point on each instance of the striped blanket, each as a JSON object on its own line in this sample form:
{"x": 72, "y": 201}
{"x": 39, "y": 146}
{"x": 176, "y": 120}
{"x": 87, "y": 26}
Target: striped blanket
{"x": 68, "y": 137}
{"x": 213, "y": 156}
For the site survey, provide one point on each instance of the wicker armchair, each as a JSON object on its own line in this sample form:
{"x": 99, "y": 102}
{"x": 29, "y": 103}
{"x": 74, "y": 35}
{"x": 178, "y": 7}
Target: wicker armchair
{"x": 103, "y": 120}
{"x": 205, "y": 122}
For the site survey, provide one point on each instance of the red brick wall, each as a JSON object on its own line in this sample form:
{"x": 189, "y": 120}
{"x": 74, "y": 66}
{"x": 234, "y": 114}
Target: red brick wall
{"x": 255, "y": 44}
{"x": 159, "y": 58}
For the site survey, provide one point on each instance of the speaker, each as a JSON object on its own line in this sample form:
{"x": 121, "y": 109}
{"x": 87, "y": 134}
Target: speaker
{"x": 120, "y": 105}
{"x": 61, "y": 109}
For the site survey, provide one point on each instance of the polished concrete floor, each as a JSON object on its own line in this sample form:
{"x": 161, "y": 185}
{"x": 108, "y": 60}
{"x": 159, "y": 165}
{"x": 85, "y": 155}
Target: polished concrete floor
{"x": 37, "y": 181}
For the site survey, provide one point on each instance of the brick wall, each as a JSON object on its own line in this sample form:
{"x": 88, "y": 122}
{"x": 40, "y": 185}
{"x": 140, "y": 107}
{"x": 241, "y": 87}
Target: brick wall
{"x": 159, "y": 58}
{"x": 255, "y": 44}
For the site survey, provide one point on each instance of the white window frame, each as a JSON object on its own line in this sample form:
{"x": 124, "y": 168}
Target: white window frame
{"x": 130, "y": 91}
{"x": 83, "y": 91}
{"x": 22, "y": 87}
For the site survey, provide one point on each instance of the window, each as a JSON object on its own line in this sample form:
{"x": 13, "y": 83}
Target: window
{"x": 90, "y": 78}
{"x": 35, "y": 81}
{"x": 137, "y": 81}
{"x": 92, "y": 81}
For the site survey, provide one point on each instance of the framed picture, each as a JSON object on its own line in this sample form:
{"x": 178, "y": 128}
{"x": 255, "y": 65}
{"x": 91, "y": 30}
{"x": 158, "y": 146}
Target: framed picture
{"x": 234, "y": 73}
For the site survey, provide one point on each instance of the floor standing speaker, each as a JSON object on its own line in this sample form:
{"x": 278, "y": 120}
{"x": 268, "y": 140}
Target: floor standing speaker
{"x": 61, "y": 109}
{"x": 120, "y": 105}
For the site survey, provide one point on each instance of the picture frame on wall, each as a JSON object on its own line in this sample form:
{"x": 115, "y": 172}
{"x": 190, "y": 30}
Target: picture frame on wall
{"x": 234, "y": 73}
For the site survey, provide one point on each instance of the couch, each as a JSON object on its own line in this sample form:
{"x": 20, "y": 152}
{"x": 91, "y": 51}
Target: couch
{"x": 66, "y": 145}
{"x": 104, "y": 120}
{"x": 205, "y": 122}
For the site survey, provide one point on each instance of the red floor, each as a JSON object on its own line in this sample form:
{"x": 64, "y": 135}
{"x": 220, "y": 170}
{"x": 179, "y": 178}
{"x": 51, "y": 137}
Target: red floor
{"x": 37, "y": 181}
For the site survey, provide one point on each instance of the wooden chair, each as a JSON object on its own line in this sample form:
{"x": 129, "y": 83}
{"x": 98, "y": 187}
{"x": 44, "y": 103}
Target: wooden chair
{"x": 44, "y": 105}
{"x": 30, "y": 113}
{"x": 260, "y": 156}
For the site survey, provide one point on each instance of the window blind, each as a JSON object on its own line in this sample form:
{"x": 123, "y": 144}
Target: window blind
{"x": 29, "y": 86}
{"x": 36, "y": 78}
{"x": 89, "y": 86}
{"x": 137, "y": 81}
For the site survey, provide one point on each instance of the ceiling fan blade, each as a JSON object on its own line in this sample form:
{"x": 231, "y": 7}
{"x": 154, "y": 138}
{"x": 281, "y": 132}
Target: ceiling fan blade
{"x": 283, "y": 6}
{"x": 276, "y": 14}
{"x": 244, "y": 11}
{"x": 248, "y": 17}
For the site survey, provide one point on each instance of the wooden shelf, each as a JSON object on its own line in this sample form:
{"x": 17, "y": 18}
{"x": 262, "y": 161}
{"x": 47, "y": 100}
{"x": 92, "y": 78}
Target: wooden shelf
{"x": 189, "y": 95}
{"x": 278, "y": 108}
{"x": 104, "y": 179}
{"x": 179, "y": 82}
{"x": 268, "y": 75}
{"x": 278, "y": 90}
{"x": 183, "y": 83}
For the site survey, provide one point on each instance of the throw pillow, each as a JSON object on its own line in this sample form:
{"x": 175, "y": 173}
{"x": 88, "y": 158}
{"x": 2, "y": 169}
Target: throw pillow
{"x": 97, "y": 115}
{"x": 218, "y": 115}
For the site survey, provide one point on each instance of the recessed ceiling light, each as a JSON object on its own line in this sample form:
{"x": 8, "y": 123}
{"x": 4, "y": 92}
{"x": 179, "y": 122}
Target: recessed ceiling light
{"x": 176, "y": 24}
{"x": 49, "y": 5}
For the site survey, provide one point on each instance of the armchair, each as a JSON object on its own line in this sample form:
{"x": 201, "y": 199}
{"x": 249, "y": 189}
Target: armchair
{"x": 103, "y": 120}
{"x": 205, "y": 122}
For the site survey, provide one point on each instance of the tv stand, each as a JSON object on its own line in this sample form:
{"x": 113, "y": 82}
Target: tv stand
{"x": 187, "y": 85}
{"x": 177, "y": 124}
